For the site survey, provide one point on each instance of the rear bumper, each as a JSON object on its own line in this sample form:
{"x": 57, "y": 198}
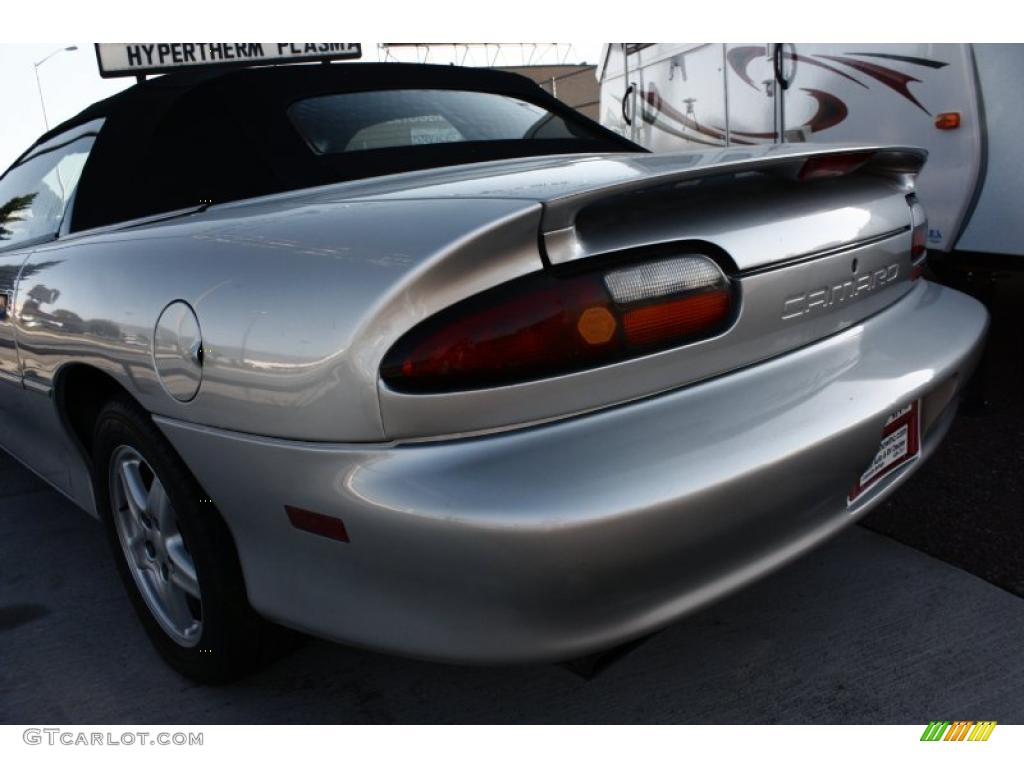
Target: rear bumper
{"x": 565, "y": 538}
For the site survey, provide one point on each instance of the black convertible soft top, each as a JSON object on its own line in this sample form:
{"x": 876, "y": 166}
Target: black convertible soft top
{"x": 191, "y": 137}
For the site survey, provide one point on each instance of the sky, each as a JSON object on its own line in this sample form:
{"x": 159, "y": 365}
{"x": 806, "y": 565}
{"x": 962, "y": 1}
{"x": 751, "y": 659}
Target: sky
{"x": 70, "y": 81}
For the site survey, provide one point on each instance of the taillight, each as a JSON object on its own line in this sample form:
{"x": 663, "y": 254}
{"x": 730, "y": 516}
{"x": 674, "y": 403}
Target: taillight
{"x": 546, "y": 325}
{"x": 829, "y": 166}
{"x": 918, "y": 248}
{"x": 919, "y": 240}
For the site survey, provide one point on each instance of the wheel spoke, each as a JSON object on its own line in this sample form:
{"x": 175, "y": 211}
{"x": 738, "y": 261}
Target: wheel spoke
{"x": 134, "y": 548}
{"x": 158, "y": 507}
{"x": 183, "y": 572}
{"x": 175, "y": 604}
{"x": 134, "y": 489}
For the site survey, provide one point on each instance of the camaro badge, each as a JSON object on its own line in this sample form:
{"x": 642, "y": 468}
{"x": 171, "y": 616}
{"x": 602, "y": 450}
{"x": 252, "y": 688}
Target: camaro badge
{"x": 826, "y": 298}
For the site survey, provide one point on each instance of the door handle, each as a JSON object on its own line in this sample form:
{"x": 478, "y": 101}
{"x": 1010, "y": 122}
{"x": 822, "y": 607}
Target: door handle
{"x": 780, "y": 75}
{"x": 625, "y": 101}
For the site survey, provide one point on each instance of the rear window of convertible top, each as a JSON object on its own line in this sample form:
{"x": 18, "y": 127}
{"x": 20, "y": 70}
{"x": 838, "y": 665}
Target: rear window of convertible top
{"x": 351, "y": 122}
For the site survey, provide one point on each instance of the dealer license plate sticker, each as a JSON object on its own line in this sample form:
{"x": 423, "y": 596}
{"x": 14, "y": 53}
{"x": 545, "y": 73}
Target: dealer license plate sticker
{"x": 901, "y": 442}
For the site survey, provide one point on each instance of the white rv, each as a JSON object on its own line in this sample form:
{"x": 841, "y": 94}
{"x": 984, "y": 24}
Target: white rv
{"x": 963, "y": 103}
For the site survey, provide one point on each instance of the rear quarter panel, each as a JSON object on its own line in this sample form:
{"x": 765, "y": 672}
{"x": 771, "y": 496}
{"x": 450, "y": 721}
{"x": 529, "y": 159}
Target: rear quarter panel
{"x": 285, "y": 294}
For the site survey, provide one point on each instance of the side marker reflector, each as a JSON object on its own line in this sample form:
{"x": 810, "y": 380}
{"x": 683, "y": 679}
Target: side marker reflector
{"x": 948, "y": 121}
{"x": 313, "y": 522}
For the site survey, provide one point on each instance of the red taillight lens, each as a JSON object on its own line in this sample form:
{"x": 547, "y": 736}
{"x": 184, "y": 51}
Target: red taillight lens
{"x": 918, "y": 236}
{"x": 545, "y": 325}
{"x": 828, "y": 166}
{"x": 919, "y": 240}
{"x": 519, "y": 332}
{"x": 671, "y": 319}
{"x": 918, "y": 249}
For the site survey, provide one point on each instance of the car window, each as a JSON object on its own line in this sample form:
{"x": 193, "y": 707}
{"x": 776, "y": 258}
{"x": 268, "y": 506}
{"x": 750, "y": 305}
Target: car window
{"x": 405, "y": 131}
{"x": 351, "y": 122}
{"x": 34, "y": 194}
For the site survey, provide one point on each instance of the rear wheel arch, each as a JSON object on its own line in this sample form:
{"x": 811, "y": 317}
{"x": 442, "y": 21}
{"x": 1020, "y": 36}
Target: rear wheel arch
{"x": 79, "y": 393}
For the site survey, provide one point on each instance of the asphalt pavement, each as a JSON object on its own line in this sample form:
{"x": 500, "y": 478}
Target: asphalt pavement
{"x": 966, "y": 505}
{"x": 863, "y": 630}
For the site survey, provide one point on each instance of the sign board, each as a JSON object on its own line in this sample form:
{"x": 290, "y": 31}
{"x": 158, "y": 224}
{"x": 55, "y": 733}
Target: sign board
{"x": 125, "y": 59}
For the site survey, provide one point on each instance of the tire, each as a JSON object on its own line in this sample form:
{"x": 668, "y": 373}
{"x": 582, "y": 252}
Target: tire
{"x": 210, "y": 637}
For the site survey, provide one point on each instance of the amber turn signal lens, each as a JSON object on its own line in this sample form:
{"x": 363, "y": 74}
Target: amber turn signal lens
{"x": 948, "y": 121}
{"x": 596, "y": 325}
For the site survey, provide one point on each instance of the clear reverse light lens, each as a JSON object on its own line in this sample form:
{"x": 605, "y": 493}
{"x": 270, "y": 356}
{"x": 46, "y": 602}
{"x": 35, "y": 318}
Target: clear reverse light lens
{"x": 663, "y": 278}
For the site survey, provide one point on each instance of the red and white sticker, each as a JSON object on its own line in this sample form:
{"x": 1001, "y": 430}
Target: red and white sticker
{"x": 901, "y": 442}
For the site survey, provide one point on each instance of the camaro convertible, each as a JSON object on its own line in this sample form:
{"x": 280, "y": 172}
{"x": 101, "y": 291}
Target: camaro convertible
{"x": 420, "y": 359}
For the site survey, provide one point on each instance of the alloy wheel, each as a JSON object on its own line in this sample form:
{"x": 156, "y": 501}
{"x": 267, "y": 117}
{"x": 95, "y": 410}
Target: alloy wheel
{"x": 152, "y": 544}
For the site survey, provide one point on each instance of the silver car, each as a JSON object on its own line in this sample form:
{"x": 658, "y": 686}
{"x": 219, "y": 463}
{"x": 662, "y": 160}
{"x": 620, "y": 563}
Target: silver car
{"x": 417, "y": 358}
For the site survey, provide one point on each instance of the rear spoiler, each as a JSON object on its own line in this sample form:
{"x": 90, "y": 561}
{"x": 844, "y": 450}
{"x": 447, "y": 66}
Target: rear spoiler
{"x": 786, "y": 161}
